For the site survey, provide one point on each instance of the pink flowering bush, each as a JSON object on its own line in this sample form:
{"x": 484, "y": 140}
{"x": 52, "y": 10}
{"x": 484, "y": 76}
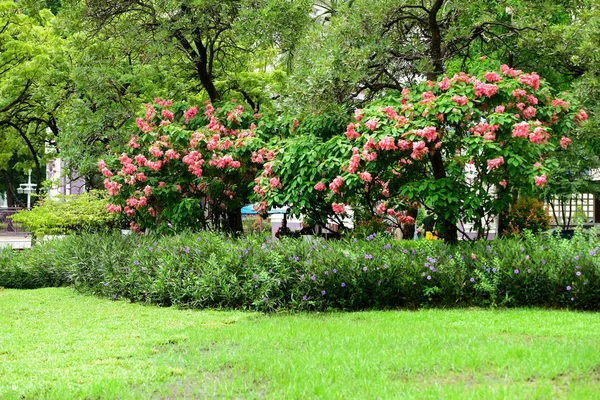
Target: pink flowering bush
{"x": 184, "y": 168}
{"x": 463, "y": 147}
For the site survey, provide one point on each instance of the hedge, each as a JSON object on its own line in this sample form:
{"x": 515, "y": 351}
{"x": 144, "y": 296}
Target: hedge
{"x": 206, "y": 270}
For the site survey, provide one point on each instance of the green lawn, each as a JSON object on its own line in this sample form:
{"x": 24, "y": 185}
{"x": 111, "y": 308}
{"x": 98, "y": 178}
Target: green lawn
{"x": 55, "y": 343}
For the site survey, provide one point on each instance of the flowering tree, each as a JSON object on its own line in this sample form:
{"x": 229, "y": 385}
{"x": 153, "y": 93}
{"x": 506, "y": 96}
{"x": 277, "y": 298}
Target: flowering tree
{"x": 184, "y": 170}
{"x": 465, "y": 146}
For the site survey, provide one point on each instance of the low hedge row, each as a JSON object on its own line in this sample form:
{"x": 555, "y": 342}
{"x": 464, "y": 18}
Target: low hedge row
{"x": 207, "y": 270}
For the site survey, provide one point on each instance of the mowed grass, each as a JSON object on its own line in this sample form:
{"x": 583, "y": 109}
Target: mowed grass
{"x": 57, "y": 344}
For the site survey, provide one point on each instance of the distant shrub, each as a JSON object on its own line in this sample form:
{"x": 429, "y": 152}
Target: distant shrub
{"x": 69, "y": 214}
{"x": 528, "y": 214}
{"x": 210, "y": 271}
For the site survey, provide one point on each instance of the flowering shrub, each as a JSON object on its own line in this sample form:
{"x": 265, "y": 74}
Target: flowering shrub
{"x": 530, "y": 214}
{"x": 182, "y": 169}
{"x": 206, "y": 270}
{"x": 462, "y": 146}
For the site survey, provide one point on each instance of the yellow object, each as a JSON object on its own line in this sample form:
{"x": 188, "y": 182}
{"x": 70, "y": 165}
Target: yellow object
{"x": 430, "y": 236}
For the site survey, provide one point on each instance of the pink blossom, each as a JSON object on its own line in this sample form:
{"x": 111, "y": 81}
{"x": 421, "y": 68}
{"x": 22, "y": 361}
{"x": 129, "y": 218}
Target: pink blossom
{"x": 532, "y": 99}
{"x": 538, "y": 136}
{"x": 428, "y": 97}
{"x": 270, "y": 155}
{"x": 506, "y": 70}
{"x": 358, "y": 114}
{"x": 380, "y": 208}
{"x": 503, "y": 183}
{"x": 391, "y": 113}
{"x": 275, "y": 183}
{"x": 495, "y": 162}
{"x": 140, "y": 160}
{"x": 112, "y": 208}
{"x": 560, "y": 103}
{"x": 113, "y": 188}
{"x": 492, "y": 77}
{"x": 444, "y": 84}
{"x": 172, "y": 154}
{"x": 354, "y": 161}
{"x": 486, "y": 89}
{"x": 150, "y": 111}
{"x": 372, "y": 124}
{"x": 365, "y": 176}
{"x": 406, "y": 220}
{"x": 190, "y": 114}
{"x": 178, "y": 188}
{"x": 500, "y": 109}
{"x": 147, "y": 190}
{"x": 521, "y": 130}
{"x": 132, "y": 142}
{"x": 161, "y": 184}
{"x": 581, "y": 116}
{"x": 529, "y": 112}
{"x": 540, "y": 180}
{"x": 532, "y": 80}
{"x": 319, "y": 187}
{"x": 351, "y": 132}
{"x": 387, "y": 143}
{"x": 128, "y": 169}
{"x": 564, "y": 142}
{"x": 134, "y": 227}
{"x": 143, "y": 125}
{"x": 154, "y": 166}
{"x": 460, "y": 100}
{"x": 156, "y": 151}
{"x": 537, "y": 165}
{"x": 106, "y": 172}
{"x": 338, "y": 208}
{"x": 404, "y": 144}
{"x": 151, "y": 211}
{"x": 401, "y": 121}
{"x": 209, "y": 110}
{"x": 167, "y": 114}
{"x": 336, "y": 184}
{"x": 140, "y": 177}
{"x": 419, "y": 149}
{"x": 430, "y": 133}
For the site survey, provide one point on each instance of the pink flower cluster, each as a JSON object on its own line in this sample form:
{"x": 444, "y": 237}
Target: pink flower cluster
{"x": 507, "y": 71}
{"x": 419, "y": 149}
{"x": 103, "y": 169}
{"x": 224, "y": 162}
{"x": 540, "y": 180}
{"x": 113, "y": 188}
{"x": 351, "y": 132}
{"x": 112, "y": 208}
{"x": 190, "y": 114}
{"x": 460, "y": 100}
{"x": 532, "y": 80}
{"x": 319, "y": 187}
{"x": 538, "y": 136}
{"x": 365, "y": 176}
{"x": 429, "y": 133}
{"x": 521, "y": 130}
{"x": 194, "y": 162}
{"x": 495, "y": 162}
{"x": 486, "y": 130}
{"x": 336, "y": 184}
{"x": 487, "y": 89}
{"x": 492, "y": 77}
{"x": 564, "y": 142}
{"x": 444, "y": 84}
{"x": 372, "y": 124}
{"x": 387, "y": 143}
{"x": 354, "y": 161}
{"x": 338, "y": 208}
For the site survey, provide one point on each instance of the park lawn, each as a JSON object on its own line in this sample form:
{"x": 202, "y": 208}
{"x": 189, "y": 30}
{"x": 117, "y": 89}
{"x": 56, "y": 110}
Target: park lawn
{"x": 57, "y": 344}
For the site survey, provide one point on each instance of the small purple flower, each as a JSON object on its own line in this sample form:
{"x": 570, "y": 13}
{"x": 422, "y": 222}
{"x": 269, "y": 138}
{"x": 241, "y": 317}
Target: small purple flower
{"x": 385, "y": 266}
{"x": 114, "y": 296}
{"x": 405, "y": 251}
{"x": 270, "y": 271}
{"x": 428, "y": 277}
{"x": 543, "y": 262}
{"x": 335, "y": 271}
{"x": 326, "y": 272}
{"x": 302, "y": 276}
{"x": 255, "y": 276}
{"x": 585, "y": 282}
{"x": 365, "y": 269}
{"x": 187, "y": 250}
{"x": 572, "y": 298}
{"x": 343, "y": 284}
{"x": 568, "y": 287}
{"x": 516, "y": 271}
{"x": 450, "y": 257}
{"x": 245, "y": 251}
{"x": 528, "y": 271}
{"x": 387, "y": 246}
{"x": 379, "y": 282}
{"x": 577, "y": 267}
{"x": 527, "y": 257}
{"x": 522, "y": 248}
{"x": 323, "y": 293}
{"x": 312, "y": 278}
{"x": 136, "y": 262}
{"x": 578, "y": 273}
{"x": 150, "y": 249}
{"x": 304, "y": 297}
{"x": 368, "y": 256}
{"x": 592, "y": 252}
{"x": 472, "y": 279}
{"x": 198, "y": 239}
{"x": 432, "y": 268}
{"x": 576, "y": 258}
{"x": 255, "y": 286}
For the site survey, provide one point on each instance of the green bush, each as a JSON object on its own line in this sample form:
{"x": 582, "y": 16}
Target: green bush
{"x": 84, "y": 212}
{"x": 206, "y": 270}
{"x": 528, "y": 214}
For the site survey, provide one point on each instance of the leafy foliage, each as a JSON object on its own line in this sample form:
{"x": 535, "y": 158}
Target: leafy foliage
{"x": 69, "y": 214}
{"x": 210, "y": 271}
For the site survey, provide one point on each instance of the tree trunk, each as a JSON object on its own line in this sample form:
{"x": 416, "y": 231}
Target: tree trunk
{"x": 449, "y": 231}
{"x": 234, "y": 222}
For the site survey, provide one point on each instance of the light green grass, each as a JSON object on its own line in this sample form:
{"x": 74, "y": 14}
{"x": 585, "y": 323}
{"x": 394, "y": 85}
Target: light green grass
{"x": 57, "y": 344}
